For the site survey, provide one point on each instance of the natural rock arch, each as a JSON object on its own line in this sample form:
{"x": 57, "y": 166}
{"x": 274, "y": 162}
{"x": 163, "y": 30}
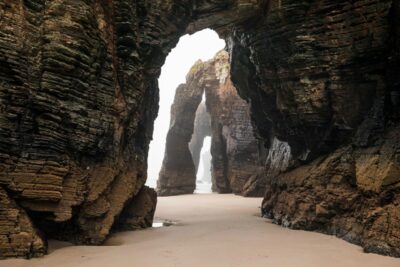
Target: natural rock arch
{"x": 237, "y": 159}
{"x": 79, "y": 95}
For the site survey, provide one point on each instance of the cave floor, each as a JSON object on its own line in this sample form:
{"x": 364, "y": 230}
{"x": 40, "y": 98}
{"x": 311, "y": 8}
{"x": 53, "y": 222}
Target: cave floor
{"x": 210, "y": 230}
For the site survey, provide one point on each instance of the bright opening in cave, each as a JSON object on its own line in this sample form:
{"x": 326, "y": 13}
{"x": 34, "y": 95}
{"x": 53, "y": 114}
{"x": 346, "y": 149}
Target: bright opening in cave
{"x": 203, "y": 177}
{"x": 190, "y": 48}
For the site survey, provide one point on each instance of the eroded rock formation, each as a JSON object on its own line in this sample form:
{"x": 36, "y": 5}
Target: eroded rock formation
{"x": 236, "y": 154}
{"x": 78, "y": 97}
{"x": 320, "y": 77}
{"x": 76, "y": 115}
{"x": 139, "y": 213}
{"x": 236, "y": 163}
{"x": 178, "y": 172}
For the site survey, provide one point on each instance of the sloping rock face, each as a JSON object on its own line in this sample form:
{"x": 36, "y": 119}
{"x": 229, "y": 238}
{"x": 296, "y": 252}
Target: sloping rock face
{"x": 236, "y": 163}
{"x": 78, "y": 96}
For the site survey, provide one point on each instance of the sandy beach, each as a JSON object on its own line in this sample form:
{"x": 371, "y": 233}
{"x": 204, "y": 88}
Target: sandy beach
{"x": 210, "y": 230}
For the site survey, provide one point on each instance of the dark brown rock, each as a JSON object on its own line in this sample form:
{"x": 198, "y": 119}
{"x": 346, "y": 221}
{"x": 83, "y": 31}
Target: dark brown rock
{"x": 323, "y": 85}
{"x": 18, "y": 237}
{"x": 76, "y": 114}
{"x": 139, "y": 213}
{"x": 352, "y": 193}
{"x": 78, "y": 97}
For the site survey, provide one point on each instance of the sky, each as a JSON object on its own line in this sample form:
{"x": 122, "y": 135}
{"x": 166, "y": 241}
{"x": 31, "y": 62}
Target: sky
{"x": 201, "y": 45}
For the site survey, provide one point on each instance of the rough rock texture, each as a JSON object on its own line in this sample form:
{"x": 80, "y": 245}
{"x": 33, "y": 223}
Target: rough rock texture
{"x": 76, "y": 114}
{"x": 140, "y": 212}
{"x": 353, "y": 193}
{"x": 236, "y": 158}
{"x": 178, "y": 173}
{"x": 320, "y": 77}
{"x": 236, "y": 163}
{"x": 202, "y": 129}
{"x": 78, "y": 96}
{"x": 18, "y": 237}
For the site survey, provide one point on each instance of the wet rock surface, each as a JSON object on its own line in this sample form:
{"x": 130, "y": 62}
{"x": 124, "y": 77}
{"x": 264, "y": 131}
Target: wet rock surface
{"x": 78, "y": 97}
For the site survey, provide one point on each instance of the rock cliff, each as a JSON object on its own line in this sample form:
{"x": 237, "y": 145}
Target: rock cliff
{"x": 320, "y": 77}
{"x": 78, "y": 97}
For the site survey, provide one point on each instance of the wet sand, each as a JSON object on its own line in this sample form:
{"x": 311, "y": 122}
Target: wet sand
{"x": 211, "y": 230}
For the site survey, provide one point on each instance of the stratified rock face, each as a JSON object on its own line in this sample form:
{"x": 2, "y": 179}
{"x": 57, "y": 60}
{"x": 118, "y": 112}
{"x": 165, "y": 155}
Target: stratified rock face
{"x": 78, "y": 97}
{"x": 18, "y": 237}
{"x": 236, "y": 159}
{"x": 320, "y": 77}
{"x": 236, "y": 162}
{"x": 76, "y": 115}
{"x": 202, "y": 129}
{"x": 351, "y": 193}
{"x": 304, "y": 76}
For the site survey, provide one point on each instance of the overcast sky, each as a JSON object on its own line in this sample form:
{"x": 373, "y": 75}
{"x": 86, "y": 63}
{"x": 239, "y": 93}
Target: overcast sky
{"x": 201, "y": 45}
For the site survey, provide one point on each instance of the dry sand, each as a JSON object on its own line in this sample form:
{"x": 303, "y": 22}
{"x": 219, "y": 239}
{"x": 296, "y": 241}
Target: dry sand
{"x": 212, "y": 230}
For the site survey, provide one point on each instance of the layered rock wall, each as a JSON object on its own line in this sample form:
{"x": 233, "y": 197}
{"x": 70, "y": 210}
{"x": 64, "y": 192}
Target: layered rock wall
{"x": 76, "y": 115}
{"x": 319, "y": 75}
{"x": 237, "y": 164}
{"x": 78, "y": 97}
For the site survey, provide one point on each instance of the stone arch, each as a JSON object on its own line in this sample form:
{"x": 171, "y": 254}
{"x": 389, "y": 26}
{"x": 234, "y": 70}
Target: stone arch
{"x": 237, "y": 164}
{"x": 80, "y": 95}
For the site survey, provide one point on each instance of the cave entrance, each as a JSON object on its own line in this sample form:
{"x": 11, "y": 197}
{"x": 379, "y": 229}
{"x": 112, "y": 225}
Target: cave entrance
{"x": 205, "y": 103}
{"x": 202, "y": 45}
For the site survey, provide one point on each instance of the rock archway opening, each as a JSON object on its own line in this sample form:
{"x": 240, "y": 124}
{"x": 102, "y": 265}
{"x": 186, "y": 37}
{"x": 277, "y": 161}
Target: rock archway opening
{"x": 79, "y": 96}
{"x": 208, "y": 105}
{"x": 203, "y": 175}
{"x": 202, "y": 45}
